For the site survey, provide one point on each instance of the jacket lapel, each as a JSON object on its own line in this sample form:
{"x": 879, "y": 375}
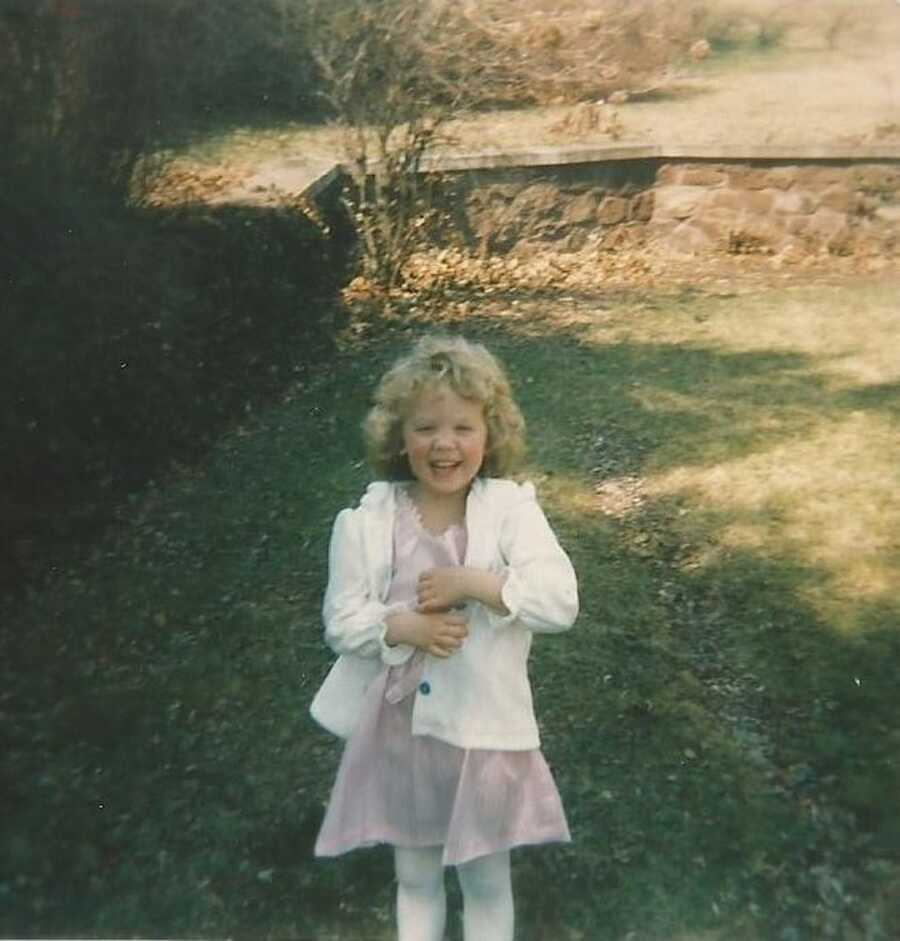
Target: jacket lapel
{"x": 378, "y": 535}
{"x": 478, "y": 525}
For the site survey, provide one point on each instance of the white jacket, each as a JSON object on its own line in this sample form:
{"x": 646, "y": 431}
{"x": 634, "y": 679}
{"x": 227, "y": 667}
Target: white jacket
{"x": 480, "y": 696}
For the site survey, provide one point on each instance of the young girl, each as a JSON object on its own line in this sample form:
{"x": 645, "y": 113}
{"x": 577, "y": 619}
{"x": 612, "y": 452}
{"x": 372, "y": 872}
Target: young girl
{"x": 437, "y": 582}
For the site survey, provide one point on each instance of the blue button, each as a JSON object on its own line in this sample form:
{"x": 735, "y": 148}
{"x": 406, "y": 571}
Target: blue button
{"x": 424, "y": 687}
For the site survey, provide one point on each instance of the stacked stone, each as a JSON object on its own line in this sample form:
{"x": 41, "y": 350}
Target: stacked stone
{"x": 507, "y": 216}
{"x": 689, "y": 205}
{"x": 839, "y": 209}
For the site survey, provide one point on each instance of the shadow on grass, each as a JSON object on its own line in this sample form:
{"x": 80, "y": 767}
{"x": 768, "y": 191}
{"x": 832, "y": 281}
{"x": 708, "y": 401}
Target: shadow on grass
{"x": 140, "y": 336}
{"x": 882, "y": 397}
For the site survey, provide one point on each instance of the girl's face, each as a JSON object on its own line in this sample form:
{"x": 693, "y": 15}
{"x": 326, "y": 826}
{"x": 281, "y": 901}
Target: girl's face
{"x": 444, "y": 439}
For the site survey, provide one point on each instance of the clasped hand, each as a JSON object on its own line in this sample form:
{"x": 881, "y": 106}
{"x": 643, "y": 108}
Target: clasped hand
{"x": 439, "y": 633}
{"x": 435, "y": 626}
{"x": 437, "y": 592}
{"x": 442, "y": 633}
{"x": 440, "y": 589}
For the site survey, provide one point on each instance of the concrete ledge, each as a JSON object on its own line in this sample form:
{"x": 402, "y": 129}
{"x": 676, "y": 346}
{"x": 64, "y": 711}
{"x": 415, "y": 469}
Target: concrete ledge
{"x": 537, "y": 157}
{"x": 572, "y": 156}
{"x": 563, "y": 156}
{"x": 816, "y": 152}
{"x": 322, "y": 183}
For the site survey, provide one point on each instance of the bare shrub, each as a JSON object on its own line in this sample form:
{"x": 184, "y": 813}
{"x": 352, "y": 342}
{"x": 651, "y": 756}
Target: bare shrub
{"x": 572, "y": 51}
{"x": 392, "y": 95}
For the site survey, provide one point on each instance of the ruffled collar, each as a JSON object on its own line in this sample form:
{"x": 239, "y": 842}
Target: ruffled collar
{"x": 405, "y": 500}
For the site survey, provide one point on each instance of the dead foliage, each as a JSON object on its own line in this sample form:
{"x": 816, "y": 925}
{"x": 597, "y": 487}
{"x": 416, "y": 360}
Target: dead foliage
{"x": 185, "y": 181}
{"x": 572, "y": 51}
{"x": 590, "y": 117}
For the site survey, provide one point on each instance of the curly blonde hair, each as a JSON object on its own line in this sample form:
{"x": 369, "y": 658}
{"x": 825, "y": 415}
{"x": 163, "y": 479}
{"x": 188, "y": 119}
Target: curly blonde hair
{"x": 472, "y": 373}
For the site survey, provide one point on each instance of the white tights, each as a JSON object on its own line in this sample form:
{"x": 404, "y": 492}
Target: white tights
{"x": 422, "y": 903}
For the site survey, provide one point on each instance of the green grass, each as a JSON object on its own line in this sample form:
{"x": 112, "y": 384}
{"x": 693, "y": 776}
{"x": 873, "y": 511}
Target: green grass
{"x": 721, "y": 722}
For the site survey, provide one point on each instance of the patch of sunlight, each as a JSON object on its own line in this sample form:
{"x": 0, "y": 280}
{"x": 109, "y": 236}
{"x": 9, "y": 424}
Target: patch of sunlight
{"x": 830, "y": 501}
{"x": 669, "y": 401}
{"x": 850, "y": 332}
{"x": 853, "y": 337}
{"x": 565, "y": 494}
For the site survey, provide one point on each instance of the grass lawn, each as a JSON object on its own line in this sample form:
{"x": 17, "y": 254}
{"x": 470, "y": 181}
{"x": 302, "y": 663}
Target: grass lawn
{"x": 722, "y": 722}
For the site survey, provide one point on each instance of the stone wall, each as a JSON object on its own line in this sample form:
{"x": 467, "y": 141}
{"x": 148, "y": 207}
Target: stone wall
{"x": 841, "y": 209}
{"x": 569, "y": 207}
{"x": 740, "y": 205}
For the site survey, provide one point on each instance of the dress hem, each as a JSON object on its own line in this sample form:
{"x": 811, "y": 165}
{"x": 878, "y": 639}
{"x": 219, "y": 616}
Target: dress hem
{"x": 449, "y": 859}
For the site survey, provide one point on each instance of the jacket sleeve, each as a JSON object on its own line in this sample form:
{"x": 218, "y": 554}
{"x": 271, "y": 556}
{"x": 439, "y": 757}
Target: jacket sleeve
{"x": 541, "y": 590}
{"x": 354, "y": 617}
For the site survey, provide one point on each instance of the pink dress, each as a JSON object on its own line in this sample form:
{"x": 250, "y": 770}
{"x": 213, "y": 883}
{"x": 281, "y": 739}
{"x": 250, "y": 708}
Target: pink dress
{"x": 416, "y": 791}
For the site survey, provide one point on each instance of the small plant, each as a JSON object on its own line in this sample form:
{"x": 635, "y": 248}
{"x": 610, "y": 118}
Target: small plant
{"x": 771, "y": 31}
{"x": 590, "y": 117}
{"x": 746, "y": 242}
{"x": 838, "y": 25}
{"x": 731, "y": 29}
